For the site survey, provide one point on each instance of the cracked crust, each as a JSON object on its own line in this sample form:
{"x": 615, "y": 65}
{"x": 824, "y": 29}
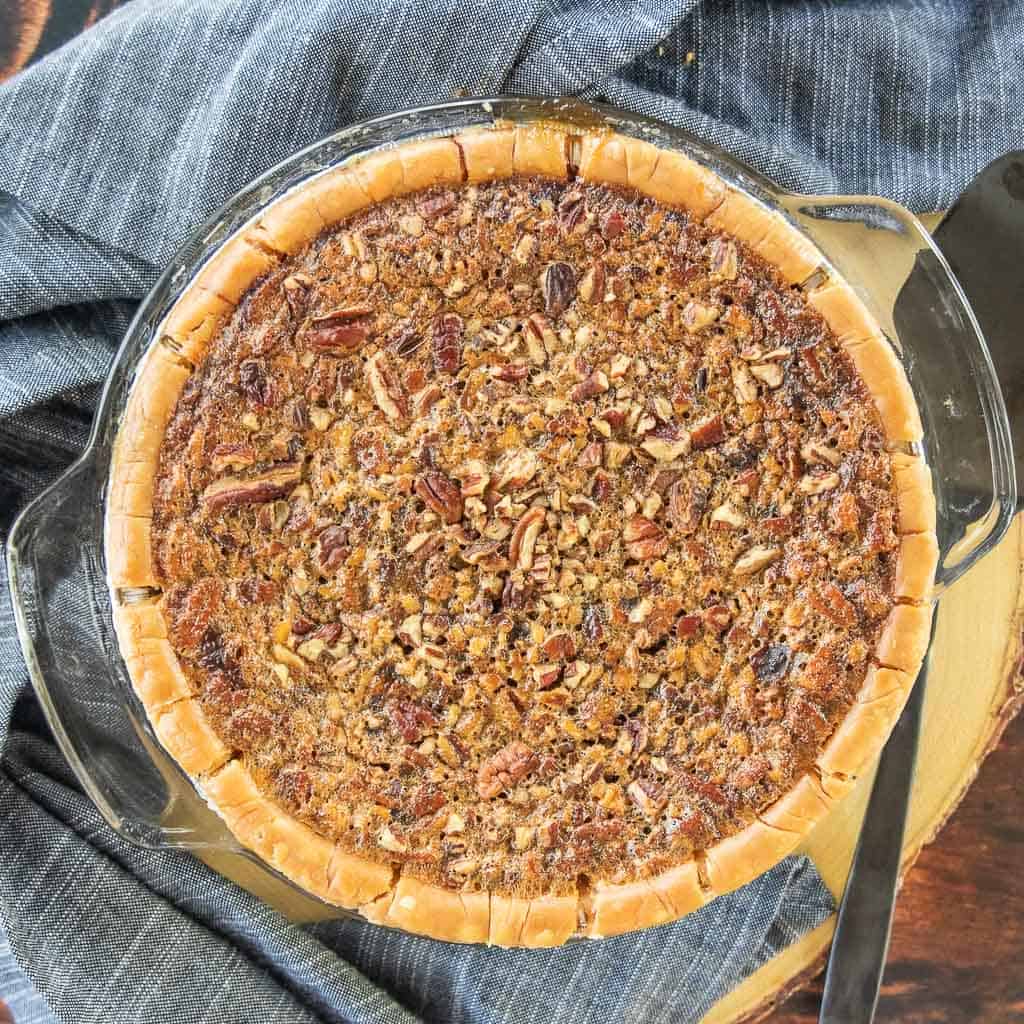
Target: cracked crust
{"x": 382, "y": 894}
{"x": 914, "y": 496}
{"x": 291, "y": 847}
{"x": 435, "y": 912}
{"x": 873, "y": 356}
{"x": 487, "y": 153}
{"x": 535, "y": 924}
{"x": 661, "y": 174}
{"x": 768, "y": 234}
{"x": 915, "y": 566}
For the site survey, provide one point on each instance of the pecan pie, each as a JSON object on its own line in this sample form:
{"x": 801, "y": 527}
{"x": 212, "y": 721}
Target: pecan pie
{"x": 520, "y": 535}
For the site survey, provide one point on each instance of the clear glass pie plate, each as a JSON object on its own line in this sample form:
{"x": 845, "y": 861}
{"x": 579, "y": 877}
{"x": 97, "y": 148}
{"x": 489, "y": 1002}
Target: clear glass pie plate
{"x": 55, "y": 550}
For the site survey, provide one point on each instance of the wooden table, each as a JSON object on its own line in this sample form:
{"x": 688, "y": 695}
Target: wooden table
{"x": 957, "y": 954}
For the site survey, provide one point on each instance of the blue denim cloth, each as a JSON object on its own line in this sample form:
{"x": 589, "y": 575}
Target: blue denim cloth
{"x": 116, "y": 146}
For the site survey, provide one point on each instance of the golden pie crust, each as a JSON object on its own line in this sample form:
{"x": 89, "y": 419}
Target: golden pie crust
{"x": 383, "y": 892}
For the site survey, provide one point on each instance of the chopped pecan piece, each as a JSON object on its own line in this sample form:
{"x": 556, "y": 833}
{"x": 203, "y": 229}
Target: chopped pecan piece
{"x": 726, "y": 517}
{"x": 591, "y": 456}
{"x": 648, "y": 796}
{"x": 844, "y": 516}
{"x": 698, "y": 315}
{"x": 743, "y": 384}
{"x": 717, "y": 618}
{"x": 666, "y": 451}
{"x": 524, "y": 538}
{"x": 571, "y": 210}
{"x": 818, "y": 483}
{"x": 254, "y": 383}
{"x": 644, "y": 539}
{"x": 771, "y": 663}
{"x": 816, "y": 451}
{"x": 386, "y": 391}
{"x": 296, "y": 292}
{"x": 754, "y": 560}
{"x": 515, "y": 470}
{"x": 439, "y": 493}
{"x": 828, "y": 599}
{"x": 708, "y": 432}
{"x": 559, "y": 647}
{"x": 547, "y": 676}
{"x": 688, "y": 626}
{"x": 232, "y": 456}
{"x": 334, "y": 548}
{"x": 511, "y": 373}
{"x": 770, "y": 374}
{"x": 723, "y": 259}
{"x": 232, "y": 491}
{"x": 595, "y": 383}
{"x": 592, "y": 285}
{"x": 504, "y": 769}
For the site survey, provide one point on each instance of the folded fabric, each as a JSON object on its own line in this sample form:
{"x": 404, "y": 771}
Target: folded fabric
{"x": 115, "y": 148}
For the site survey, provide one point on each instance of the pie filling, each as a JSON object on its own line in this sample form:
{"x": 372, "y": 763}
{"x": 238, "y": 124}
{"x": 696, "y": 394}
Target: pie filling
{"x": 525, "y": 533}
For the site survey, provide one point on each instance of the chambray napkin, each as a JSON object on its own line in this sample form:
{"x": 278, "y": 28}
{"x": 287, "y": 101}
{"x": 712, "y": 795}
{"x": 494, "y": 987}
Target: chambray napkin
{"x": 115, "y": 147}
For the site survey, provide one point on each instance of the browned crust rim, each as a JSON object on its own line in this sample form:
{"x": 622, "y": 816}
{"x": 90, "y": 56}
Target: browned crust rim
{"x": 382, "y": 893}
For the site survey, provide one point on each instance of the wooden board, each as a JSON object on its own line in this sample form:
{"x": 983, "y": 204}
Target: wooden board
{"x": 974, "y": 690}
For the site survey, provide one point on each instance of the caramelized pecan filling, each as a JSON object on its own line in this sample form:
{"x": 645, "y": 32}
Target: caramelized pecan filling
{"x": 525, "y": 531}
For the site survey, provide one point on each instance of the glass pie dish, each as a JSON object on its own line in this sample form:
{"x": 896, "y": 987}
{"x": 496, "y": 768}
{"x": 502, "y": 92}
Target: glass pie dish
{"x": 56, "y": 555}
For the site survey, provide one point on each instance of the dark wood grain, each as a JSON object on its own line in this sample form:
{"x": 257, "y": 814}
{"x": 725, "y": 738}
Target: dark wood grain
{"x": 957, "y": 953}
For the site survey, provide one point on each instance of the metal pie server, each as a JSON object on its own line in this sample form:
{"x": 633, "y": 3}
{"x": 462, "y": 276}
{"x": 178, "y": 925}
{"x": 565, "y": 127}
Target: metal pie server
{"x": 982, "y": 238}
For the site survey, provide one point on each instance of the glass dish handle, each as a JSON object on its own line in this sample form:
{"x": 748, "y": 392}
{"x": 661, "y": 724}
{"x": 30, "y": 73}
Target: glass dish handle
{"x": 58, "y": 587}
{"x": 905, "y": 281}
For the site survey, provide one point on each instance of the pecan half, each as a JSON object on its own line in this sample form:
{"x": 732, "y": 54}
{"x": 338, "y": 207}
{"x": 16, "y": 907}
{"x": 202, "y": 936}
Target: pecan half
{"x": 644, "y": 539}
{"x": 254, "y": 383}
{"x": 232, "y": 456}
{"x": 440, "y": 494}
{"x": 505, "y": 768}
{"x": 341, "y": 331}
{"x": 559, "y": 287}
{"x": 686, "y": 505}
{"x": 232, "y": 491}
{"x": 447, "y": 343}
